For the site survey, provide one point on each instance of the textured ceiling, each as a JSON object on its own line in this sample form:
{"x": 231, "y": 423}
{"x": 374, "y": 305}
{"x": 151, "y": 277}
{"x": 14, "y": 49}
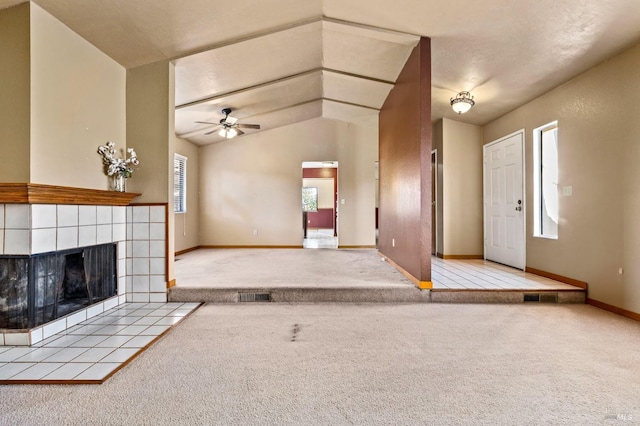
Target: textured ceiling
{"x": 277, "y": 62}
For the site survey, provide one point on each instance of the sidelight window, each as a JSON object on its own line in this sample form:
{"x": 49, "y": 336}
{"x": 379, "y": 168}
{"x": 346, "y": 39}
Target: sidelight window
{"x": 545, "y": 169}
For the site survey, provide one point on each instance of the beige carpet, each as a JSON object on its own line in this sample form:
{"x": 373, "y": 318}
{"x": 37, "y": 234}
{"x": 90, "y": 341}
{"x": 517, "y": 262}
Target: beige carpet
{"x": 215, "y": 268}
{"x": 345, "y": 364}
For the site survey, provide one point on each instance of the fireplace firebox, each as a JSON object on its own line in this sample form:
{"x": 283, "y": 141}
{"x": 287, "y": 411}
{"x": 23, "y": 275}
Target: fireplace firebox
{"x": 40, "y": 288}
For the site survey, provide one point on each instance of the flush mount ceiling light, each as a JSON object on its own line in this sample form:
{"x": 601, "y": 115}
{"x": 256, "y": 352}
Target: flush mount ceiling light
{"x": 462, "y": 102}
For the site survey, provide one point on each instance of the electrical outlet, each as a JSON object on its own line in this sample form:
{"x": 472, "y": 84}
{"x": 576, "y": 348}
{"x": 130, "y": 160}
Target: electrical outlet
{"x": 620, "y": 271}
{"x": 255, "y": 232}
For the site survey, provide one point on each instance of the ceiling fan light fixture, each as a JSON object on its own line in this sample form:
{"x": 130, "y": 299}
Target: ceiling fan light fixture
{"x": 231, "y": 133}
{"x": 462, "y": 102}
{"x": 228, "y": 127}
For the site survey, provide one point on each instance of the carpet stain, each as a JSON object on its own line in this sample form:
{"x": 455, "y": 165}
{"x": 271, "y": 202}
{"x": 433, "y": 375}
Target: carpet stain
{"x": 294, "y": 332}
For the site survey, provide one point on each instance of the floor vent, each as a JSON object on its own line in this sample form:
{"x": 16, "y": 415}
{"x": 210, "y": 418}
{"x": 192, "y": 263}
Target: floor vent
{"x": 541, "y": 297}
{"x": 549, "y": 298}
{"x": 254, "y": 297}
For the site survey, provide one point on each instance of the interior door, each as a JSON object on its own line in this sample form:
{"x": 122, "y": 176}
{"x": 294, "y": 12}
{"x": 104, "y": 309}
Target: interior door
{"x": 504, "y": 212}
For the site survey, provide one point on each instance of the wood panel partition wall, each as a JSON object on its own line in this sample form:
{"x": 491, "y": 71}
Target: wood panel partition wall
{"x": 405, "y": 169}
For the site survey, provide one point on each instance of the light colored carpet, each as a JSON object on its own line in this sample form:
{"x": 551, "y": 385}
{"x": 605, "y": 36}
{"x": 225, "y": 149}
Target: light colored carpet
{"x": 311, "y": 268}
{"x": 344, "y": 364}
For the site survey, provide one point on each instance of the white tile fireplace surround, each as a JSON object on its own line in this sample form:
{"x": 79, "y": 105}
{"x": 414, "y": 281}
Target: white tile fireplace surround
{"x": 139, "y": 231}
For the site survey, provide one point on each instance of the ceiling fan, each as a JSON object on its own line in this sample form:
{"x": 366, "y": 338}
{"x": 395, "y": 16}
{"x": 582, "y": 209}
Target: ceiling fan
{"x": 229, "y": 126}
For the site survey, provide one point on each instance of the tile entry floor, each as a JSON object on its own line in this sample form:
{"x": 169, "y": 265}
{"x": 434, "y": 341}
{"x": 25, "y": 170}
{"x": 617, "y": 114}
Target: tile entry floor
{"x": 478, "y": 274}
{"x": 320, "y": 238}
{"x": 93, "y": 350}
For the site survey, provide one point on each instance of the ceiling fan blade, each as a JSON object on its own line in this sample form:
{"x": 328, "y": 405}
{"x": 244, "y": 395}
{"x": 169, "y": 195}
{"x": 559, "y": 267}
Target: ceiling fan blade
{"x": 204, "y": 122}
{"x": 240, "y": 132}
{"x": 230, "y": 120}
{"x": 249, "y": 126}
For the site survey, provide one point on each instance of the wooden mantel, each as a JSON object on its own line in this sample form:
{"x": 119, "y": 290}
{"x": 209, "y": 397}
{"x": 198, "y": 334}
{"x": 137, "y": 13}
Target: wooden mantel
{"x": 35, "y": 193}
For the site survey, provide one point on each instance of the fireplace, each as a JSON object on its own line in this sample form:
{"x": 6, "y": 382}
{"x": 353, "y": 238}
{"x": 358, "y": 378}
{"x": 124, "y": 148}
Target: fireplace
{"x": 37, "y": 289}
{"x": 43, "y": 227}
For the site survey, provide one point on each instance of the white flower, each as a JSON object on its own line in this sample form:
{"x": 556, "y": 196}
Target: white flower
{"x": 117, "y": 165}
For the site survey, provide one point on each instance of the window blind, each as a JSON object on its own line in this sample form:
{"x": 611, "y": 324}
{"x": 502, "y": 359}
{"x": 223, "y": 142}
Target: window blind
{"x": 179, "y": 184}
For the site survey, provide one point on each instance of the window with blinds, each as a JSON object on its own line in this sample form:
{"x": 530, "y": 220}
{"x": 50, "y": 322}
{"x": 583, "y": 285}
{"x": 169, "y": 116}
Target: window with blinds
{"x": 179, "y": 184}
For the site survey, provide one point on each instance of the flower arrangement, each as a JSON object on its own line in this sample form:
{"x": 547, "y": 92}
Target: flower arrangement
{"x": 117, "y": 166}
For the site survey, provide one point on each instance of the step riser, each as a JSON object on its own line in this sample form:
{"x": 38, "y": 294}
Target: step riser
{"x": 305, "y": 295}
{"x": 323, "y": 295}
{"x": 462, "y": 296}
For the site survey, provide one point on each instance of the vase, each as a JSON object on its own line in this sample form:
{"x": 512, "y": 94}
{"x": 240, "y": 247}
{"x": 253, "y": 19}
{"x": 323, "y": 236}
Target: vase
{"x": 118, "y": 182}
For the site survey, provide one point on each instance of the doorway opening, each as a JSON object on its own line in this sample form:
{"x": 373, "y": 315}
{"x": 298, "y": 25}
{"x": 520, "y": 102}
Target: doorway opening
{"x": 320, "y": 204}
{"x": 434, "y": 202}
{"x": 377, "y": 190}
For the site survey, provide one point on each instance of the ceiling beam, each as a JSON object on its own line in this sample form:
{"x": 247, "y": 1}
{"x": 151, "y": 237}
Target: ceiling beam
{"x": 277, "y": 81}
{"x": 395, "y": 35}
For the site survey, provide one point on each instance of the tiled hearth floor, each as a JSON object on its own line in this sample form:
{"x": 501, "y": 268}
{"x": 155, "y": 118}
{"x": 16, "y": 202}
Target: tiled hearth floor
{"x": 93, "y": 350}
{"x": 484, "y": 275}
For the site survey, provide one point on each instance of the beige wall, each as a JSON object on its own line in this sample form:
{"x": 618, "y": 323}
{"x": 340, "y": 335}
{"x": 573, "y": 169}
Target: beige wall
{"x": 150, "y": 118}
{"x": 151, "y": 131}
{"x": 459, "y": 193}
{"x": 77, "y": 104}
{"x": 325, "y": 191}
{"x": 599, "y": 229}
{"x": 461, "y": 186}
{"x": 254, "y": 182}
{"x": 15, "y": 88}
{"x": 62, "y": 98}
{"x": 357, "y": 154}
{"x": 186, "y": 224}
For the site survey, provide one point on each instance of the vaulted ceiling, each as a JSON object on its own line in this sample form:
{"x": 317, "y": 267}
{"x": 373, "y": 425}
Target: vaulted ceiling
{"x": 276, "y": 62}
{"x": 322, "y": 68}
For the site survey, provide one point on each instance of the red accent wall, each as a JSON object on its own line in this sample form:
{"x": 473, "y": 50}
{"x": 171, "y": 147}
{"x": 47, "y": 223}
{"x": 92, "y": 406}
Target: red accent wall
{"x": 323, "y": 218}
{"x": 320, "y": 173}
{"x": 405, "y": 167}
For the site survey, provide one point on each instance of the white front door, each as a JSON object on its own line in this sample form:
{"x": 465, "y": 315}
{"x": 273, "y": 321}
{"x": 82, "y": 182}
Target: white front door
{"x": 504, "y": 231}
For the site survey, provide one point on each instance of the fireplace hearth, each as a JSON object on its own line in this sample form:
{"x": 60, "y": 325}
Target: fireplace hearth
{"x": 37, "y": 289}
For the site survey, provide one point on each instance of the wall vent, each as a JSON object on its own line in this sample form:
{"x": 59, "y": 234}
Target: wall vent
{"x": 541, "y": 297}
{"x": 254, "y": 297}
